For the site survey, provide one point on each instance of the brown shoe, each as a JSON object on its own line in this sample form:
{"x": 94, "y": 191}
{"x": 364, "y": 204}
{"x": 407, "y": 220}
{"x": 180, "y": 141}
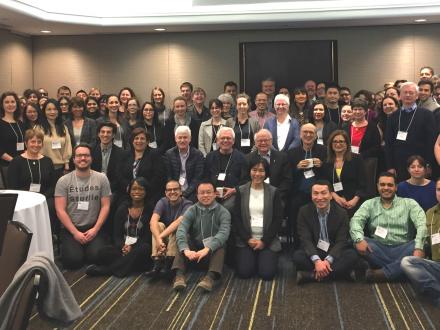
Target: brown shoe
{"x": 206, "y": 284}
{"x": 179, "y": 283}
{"x": 375, "y": 276}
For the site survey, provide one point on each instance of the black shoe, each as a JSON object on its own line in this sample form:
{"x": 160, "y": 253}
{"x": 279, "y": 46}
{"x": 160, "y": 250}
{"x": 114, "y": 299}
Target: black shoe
{"x": 304, "y": 277}
{"x": 95, "y": 270}
{"x": 165, "y": 271}
{"x": 156, "y": 270}
{"x": 375, "y": 276}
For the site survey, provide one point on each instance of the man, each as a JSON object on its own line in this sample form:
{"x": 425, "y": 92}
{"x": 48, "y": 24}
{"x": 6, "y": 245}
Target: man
{"x": 95, "y": 92}
{"x": 320, "y": 90}
{"x": 43, "y": 92}
{"x": 64, "y": 91}
{"x": 323, "y": 231}
{"x": 280, "y": 170}
{"x": 305, "y": 161}
{"x": 411, "y": 130}
{"x": 82, "y": 203}
{"x": 345, "y": 96}
{"x": 268, "y": 88}
{"x": 425, "y": 274}
{"x": 186, "y": 89}
{"x": 185, "y": 164}
{"x": 310, "y": 87}
{"x": 201, "y": 236}
{"x": 223, "y": 167}
{"x": 167, "y": 215}
{"x": 261, "y": 113}
{"x": 231, "y": 88}
{"x": 388, "y": 220}
{"x": 426, "y": 100}
{"x": 82, "y": 94}
{"x": 331, "y": 100}
{"x": 437, "y": 93}
{"x": 426, "y": 73}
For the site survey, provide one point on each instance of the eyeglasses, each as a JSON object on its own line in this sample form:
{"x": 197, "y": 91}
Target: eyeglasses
{"x": 339, "y": 142}
{"x": 82, "y": 156}
{"x": 172, "y": 189}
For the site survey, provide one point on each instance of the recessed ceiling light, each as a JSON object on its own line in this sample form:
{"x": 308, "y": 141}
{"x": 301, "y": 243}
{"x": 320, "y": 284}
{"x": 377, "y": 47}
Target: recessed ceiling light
{"x": 160, "y": 29}
{"x": 420, "y": 20}
{"x": 45, "y": 31}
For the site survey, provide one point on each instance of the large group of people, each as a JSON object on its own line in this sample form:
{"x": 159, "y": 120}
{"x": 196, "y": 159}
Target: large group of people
{"x": 137, "y": 186}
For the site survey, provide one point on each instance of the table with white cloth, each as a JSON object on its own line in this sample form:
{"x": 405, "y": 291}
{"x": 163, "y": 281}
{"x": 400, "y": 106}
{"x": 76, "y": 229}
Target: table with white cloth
{"x": 32, "y": 211}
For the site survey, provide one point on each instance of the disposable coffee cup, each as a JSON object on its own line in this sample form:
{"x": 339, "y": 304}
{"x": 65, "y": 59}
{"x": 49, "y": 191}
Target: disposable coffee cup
{"x": 220, "y": 191}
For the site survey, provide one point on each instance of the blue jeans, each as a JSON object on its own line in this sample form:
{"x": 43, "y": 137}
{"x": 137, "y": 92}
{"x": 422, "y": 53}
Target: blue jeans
{"x": 388, "y": 257}
{"x": 424, "y": 276}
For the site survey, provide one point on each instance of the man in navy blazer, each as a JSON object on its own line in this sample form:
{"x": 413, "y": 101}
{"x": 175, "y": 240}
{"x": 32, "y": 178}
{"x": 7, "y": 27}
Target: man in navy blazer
{"x": 284, "y": 129}
{"x": 323, "y": 228}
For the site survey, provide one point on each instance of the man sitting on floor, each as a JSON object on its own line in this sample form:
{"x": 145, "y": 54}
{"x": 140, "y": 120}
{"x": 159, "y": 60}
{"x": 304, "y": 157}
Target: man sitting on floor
{"x": 201, "y": 236}
{"x": 425, "y": 274}
{"x": 324, "y": 250}
{"x": 388, "y": 220}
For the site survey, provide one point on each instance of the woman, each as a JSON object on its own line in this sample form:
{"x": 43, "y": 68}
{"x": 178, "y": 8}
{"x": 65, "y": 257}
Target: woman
{"x": 417, "y": 186}
{"x": 92, "y": 108}
{"x": 368, "y": 97}
{"x": 198, "y": 109}
{"x": 345, "y": 171}
{"x": 143, "y": 161}
{"x": 31, "y": 96}
{"x": 228, "y": 109}
{"x": 112, "y": 115}
{"x": 81, "y": 128}
{"x": 346, "y": 115}
{"x": 299, "y": 109}
{"x": 181, "y": 117}
{"x": 364, "y": 135}
{"x": 389, "y": 105}
{"x": 133, "y": 114}
{"x": 124, "y": 95}
{"x": 56, "y": 143}
{"x": 102, "y": 102}
{"x": 32, "y": 116}
{"x": 131, "y": 235}
{"x": 11, "y": 131}
{"x": 152, "y": 125}
{"x": 244, "y": 127}
{"x": 64, "y": 105}
{"x": 393, "y": 92}
{"x": 256, "y": 220}
{"x": 324, "y": 127}
{"x": 209, "y": 128}
{"x": 158, "y": 101}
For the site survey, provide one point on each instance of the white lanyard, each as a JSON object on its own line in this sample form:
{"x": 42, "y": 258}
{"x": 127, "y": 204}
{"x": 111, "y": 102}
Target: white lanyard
{"x": 249, "y": 130}
{"x": 410, "y": 122}
{"x": 154, "y": 131}
{"x": 137, "y": 223}
{"x": 213, "y": 128}
{"x": 30, "y": 171}
{"x": 19, "y": 129}
{"x": 334, "y": 170}
{"x": 227, "y": 165}
{"x": 432, "y": 224}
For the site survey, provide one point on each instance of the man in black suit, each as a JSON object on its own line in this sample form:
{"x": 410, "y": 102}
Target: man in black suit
{"x": 280, "y": 169}
{"x": 323, "y": 228}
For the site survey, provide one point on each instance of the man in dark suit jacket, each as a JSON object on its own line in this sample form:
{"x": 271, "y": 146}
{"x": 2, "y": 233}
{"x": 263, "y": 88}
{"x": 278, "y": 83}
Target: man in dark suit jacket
{"x": 323, "y": 228}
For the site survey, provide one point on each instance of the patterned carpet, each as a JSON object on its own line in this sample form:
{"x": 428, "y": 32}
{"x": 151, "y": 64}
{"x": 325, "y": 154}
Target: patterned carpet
{"x": 140, "y": 303}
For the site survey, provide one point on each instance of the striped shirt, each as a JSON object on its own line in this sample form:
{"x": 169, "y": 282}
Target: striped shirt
{"x": 399, "y": 220}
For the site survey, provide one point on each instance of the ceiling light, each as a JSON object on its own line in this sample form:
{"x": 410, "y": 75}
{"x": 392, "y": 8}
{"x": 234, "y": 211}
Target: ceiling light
{"x": 420, "y": 20}
{"x": 46, "y": 31}
{"x": 160, "y": 29}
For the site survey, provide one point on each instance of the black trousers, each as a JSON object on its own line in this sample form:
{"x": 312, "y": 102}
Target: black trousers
{"x": 298, "y": 200}
{"x": 341, "y": 266}
{"x": 264, "y": 263}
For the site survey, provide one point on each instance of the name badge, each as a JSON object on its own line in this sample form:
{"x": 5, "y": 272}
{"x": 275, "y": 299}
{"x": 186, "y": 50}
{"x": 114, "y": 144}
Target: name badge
{"x": 320, "y": 141}
{"x": 338, "y": 186}
{"x": 267, "y": 180}
{"x": 35, "y": 187}
{"x": 130, "y": 240}
{"x": 181, "y": 180}
{"x": 245, "y": 142}
{"x": 56, "y": 145}
{"x": 214, "y": 146}
{"x": 310, "y": 162}
{"x": 309, "y": 174}
{"x": 118, "y": 143}
{"x": 323, "y": 245}
{"x": 83, "y": 206}
{"x": 435, "y": 239}
{"x": 207, "y": 242}
{"x": 354, "y": 149}
{"x": 401, "y": 135}
{"x": 221, "y": 177}
{"x": 256, "y": 222}
{"x": 381, "y": 232}
{"x": 20, "y": 146}
{"x": 153, "y": 145}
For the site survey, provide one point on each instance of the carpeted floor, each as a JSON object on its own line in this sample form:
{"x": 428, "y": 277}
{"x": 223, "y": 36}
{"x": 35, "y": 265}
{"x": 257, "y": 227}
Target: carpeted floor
{"x": 140, "y": 303}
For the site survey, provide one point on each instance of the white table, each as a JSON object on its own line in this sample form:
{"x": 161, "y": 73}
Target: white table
{"x": 32, "y": 211}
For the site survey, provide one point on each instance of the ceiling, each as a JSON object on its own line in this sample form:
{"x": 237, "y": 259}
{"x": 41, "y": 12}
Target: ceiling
{"x": 132, "y": 16}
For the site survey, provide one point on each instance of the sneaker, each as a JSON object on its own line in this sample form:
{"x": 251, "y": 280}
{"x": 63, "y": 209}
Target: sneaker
{"x": 179, "y": 283}
{"x": 375, "y": 276}
{"x": 206, "y": 283}
{"x": 304, "y": 277}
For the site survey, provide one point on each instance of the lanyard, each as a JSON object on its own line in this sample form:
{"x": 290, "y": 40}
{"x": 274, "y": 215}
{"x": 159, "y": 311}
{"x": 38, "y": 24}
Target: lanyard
{"x": 77, "y": 186}
{"x": 30, "y": 171}
{"x": 334, "y": 170}
{"x": 410, "y": 122}
{"x": 249, "y": 129}
{"x": 19, "y": 129}
{"x": 432, "y": 224}
{"x": 213, "y": 128}
{"x": 309, "y": 153}
{"x": 137, "y": 223}
{"x": 227, "y": 164}
{"x": 154, "y": 131}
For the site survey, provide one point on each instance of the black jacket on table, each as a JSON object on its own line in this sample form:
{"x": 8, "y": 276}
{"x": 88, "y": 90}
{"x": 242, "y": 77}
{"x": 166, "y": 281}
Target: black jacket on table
{"x": 370, "y": 143}
{"x": 353, "y": 177}
{"x": 88, "y": 132}
{"x": 117, "y": 156}
{"x": 280, "y": 171}
{"x": 195, "y": 165}
{"x": 272, "y": 214}
{"x": 233, "y": 174}
{"x": 151, "y": 167}
{"x": 309, "y": 229}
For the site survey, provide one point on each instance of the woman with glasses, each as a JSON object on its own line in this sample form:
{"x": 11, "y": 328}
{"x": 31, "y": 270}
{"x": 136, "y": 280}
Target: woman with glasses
{"x": 345, "y": 171}
{"x": 153, "y": 126}
{"x": 64, "y": 105}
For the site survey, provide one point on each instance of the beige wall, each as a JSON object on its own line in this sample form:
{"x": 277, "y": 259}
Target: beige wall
{"x": 368, "y": 57}
{"x": 15, "y": 62}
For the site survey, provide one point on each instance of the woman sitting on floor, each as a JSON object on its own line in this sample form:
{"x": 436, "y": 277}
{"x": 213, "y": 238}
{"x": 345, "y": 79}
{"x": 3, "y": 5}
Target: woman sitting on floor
{"x": 131, "y": 236}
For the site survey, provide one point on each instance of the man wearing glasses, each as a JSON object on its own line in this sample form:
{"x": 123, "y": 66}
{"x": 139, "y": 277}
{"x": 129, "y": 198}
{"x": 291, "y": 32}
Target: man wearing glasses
{"x": 82, "y": 203}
